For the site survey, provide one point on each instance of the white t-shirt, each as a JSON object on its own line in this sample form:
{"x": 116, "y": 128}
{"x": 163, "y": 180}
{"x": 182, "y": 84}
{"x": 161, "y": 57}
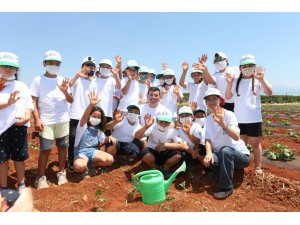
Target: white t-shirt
{"x": 219, "y": 138}
{"x": 169, "y": 100}
{"x": 124, "y": 132}
{"x": 221, "y": 82}
{"x": 143, "y": 90}
{"x": 196, "y": 130}
{"x": 8, "y": 115}
{"x": 132, "y": 94}
{"x": 52, "y": 103}
{"x": 106, "y": 88}
{"x": 156, "y": 136}
{"x": 80, "y": 91}
{"x": 146, "y": 109}
{"x": 197, "y": 93}
{"x": 80, "y": 131}
{"x": 247, "y": 106}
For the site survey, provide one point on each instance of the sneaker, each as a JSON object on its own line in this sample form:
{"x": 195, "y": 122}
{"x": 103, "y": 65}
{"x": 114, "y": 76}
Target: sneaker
{"x": 71, "y": 166}
{"x": 41, "y": 182}
{"x": 222, "y": 194}
{"x": 62, "y": 177}
{"x": 166, "y": 173}
{"x": 21, "y": 186}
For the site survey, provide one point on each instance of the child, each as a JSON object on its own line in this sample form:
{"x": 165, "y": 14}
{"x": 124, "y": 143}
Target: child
{"x": 191, "y": 133}
{"x": 225, "y": 151}
{"x": 81, "y": 84}
{"x": 50, "y": 94}
{"x": 89, "y": 135}
{"x": 151, "y": 78}
{"x": 246, "y": 91}
{"x": 144, "y": 84}
{"x": 171, "y": 93}
{"x": 15, "y": 109}
{"x": 196, "y": 89}
{"x": 124, "y": 130}
{"x": 164, "y": 144}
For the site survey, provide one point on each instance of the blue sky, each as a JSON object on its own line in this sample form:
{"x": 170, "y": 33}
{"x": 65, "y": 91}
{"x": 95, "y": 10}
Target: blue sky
{"x": 153, "y": 38}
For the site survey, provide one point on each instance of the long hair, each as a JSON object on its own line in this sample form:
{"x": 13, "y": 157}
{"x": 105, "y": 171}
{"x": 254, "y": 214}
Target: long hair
{"x": 100, "y": 126}
{"x": 239, "y": 81}
{"x": 174, "y": 82}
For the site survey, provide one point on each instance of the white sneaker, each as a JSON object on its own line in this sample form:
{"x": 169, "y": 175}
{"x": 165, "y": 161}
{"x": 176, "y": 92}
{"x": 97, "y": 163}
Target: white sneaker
{"x": 41, "y": 182}
{"x": 62, "y": 177}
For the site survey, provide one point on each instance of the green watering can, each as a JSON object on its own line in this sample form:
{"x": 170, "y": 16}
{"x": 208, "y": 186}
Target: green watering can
{"x": 152, "y": 186}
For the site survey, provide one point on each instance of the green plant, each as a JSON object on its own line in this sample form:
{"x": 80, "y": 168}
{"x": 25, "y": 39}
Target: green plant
{"x": 276, "y": 115}
{"x": 281, "y": 153}
{"x": 267, "y": 131}
{"x": 183, "y": 185}
{"x": 250, "y": 147}
{"x": 33, "y": 146}
{"x": 98, "y": 199}
{"x": 294, "y": 134}
{"x": 284, "y": 122}
{"x": 268, "y": 122}
{"x": 130, "y": 195}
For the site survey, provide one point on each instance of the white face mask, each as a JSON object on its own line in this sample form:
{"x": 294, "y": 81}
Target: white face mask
{"x": 163, "y": 129}
{"x": 52, "y": 69}
{"x": 184, "y": 119}
{"x": 200, "y": 121}
{"x": 132, "y": 117}
{"x": 161, "y": 82}
{"x": 248, "y": 72}
{"x": 169, "y": 81}
{"x": 11, "y": 78}
{"x": 221, "y": 65}
{"x": 105, "y": 71}
{"x": 94, "y": 121}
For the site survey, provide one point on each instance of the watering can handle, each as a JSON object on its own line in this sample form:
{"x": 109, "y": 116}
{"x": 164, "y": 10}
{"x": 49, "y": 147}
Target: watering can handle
{"x": 135, "y": 178}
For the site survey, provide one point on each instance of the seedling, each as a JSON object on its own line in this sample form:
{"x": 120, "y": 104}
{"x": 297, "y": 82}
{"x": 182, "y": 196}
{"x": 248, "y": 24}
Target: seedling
{"x": 250, "y": 147}
{"x": 268, "y": 122}
{"x": 281, "y": 153}
{"x": 98, "y": 199}
{"x": 293, "y": 134}
{"x": 267, "y": 131}
{"x": 183, "y": 185}
{"x": 284, "y": 122}
{"x": 33, "y": 146}
{"x": 130, "y": 195}
{"x": 275, "y": 115}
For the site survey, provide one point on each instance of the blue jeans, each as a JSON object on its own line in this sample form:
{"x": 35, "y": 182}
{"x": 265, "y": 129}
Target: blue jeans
{"x": 225, "y": 161}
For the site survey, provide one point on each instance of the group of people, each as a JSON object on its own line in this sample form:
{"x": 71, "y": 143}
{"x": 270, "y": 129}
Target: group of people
{"x": 104, "y": 111}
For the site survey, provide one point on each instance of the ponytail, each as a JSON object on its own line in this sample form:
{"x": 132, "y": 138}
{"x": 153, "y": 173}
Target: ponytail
{"x": 238, "y": 84}
{"x": 253, "y": 82}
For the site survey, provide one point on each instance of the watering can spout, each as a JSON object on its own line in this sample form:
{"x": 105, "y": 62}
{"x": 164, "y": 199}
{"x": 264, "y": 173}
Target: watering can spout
{"x": 168, "y": 182}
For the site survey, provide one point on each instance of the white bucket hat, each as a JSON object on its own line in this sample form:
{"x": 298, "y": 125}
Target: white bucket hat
{"x": 106, "y": 61}
{"x": 215, "y": 92}
{"x": 52, "y": 55}
{"x": 144, "y": 69}
{"x": 169, "y": 72}
{"x": 9, "y": 59}
{"x": 132, "y": 63}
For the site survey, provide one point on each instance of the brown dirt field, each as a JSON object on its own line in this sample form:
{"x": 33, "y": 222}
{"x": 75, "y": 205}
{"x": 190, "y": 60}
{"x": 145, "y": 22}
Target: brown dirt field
{"x": 278, "y": 189}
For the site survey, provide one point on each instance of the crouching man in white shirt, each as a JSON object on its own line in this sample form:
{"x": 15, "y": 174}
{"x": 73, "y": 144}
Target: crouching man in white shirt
{"x": 225, "y": 151}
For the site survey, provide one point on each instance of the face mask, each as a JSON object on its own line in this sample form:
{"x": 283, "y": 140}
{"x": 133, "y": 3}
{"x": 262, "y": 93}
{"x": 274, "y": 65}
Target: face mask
{"x": 161, "y": 82}
{"x": 163, "y": 129}
{"x": 11, "y": 78}
{"x": 143, "y": 77}
{"x": 169, "y": 81}
{"x": 52, "y": 69}
{"x": 105, "y": 71}
{"x": 221, "y": 65}
{"x": 184, "y": 119}
{"x": 94, "y": 121}
{"x": 91, "y": 73}
{"x": 132, "y": 117}
{"x": 248, "y": 72}
{"x": 200, "y": 121}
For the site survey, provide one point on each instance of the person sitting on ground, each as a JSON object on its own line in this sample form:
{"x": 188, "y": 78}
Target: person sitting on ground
{"x": 225, "y": 151}
{"x": 89, "y": 135}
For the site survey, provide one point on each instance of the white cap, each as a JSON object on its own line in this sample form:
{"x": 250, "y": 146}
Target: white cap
{"x": 185, "y": 109}
{"x": 219, "y": 56}
{"x": 132, "y": 63}
{"x": 9, "y": 59}
{"x": 152, "y": 71}
{"x": 169, "y": 72}
{"x": 164, "y": 115}
{"x": 106, "y": 61}
{"x": 144, "y": 69}
{"x": 247, "y": 59}
{"x": 196, "y": 71}
{"x": 52, "y": 55}
{"x": 133, "y": 104}
{"x": 89, "y": 59}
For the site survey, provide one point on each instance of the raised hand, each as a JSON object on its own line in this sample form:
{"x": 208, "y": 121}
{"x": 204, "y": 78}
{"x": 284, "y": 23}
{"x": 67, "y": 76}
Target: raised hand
{"x": 128, "y": 74}
{"x": 193, "y": 105}
{"x": 259, "y": 73}
{"x": 176, "y": 89}
{"x": 64, "y": 86}
{"x": 13, "y": 97}
{"x": 203, "y": 59}
{"x": 218, "y": 115}
{"x": 185, "y": 66}
{"x": 118, "y": 116}
{"x": 187, "y": 126}
{"x": 149, "y": 120}
{"x": 94, "y": 99}
{"x": 200, "y": 66}
{"x": 229, "y": 78}
{"x": 118, "y": 59}
{"x": 115, "y": 71}
{"x": 164, "y": 90}
{"x": 164, "y": 66}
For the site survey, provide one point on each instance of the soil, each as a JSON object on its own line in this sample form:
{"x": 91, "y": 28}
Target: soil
{"x": 278, "y": 189}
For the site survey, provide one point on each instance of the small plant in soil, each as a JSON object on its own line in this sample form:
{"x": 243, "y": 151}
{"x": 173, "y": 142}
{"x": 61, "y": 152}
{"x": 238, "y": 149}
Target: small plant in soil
{"x": 98, "y": 200}
{"x": 249, "y": 147}
{"x": 183, "y": 185}
{"x": 293, "y": 134}
{"x": 33, "y": 146}
{"x": 284, "y": 123}
{"x": 279, "y": 152}
{"x": 276, "y": 115}
{"x": 267, "y": 131}
{"x": 130, "y": 195}
{"x": 268, "y": 122}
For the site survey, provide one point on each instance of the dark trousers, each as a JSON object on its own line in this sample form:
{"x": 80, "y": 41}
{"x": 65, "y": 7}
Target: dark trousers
{"x": 72, "y": 134}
